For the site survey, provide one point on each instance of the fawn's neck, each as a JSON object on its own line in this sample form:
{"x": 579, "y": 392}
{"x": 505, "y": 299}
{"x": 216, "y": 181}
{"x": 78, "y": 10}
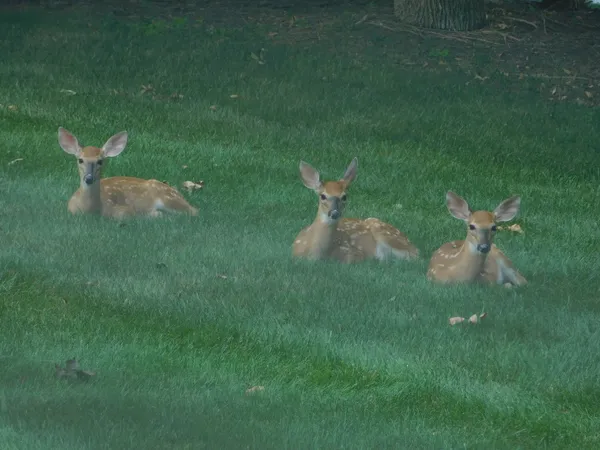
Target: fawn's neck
{"x": 469, "y": 262}
{"x": 90, "y": 199}
{"x": 323, "y": 235}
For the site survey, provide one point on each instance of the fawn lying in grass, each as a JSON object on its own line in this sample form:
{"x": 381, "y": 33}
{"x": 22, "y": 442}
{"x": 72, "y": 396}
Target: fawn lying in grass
{"x": 116, "y": 197}
{"x": 346, "y": 240}
{"x": 476, "y": 259}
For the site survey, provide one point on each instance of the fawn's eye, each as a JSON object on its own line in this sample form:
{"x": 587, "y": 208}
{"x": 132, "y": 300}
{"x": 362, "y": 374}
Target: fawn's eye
{"x": 323, "y": 197}
{"x": 344, "y": 197}
{"x": 494, "y": 228}
{"x": 80, "y": 161}
{"x": 471, "y": 227}
{"x": 99, "y": 162}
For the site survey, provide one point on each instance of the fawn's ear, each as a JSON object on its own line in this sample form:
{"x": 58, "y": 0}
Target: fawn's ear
{"x": 68, "y": 142}
{"x": 508, "y": 209}
{"x": 457, "y": 206}
{"x": 115, "y": 145}
{"x": 310, "y": 176}
{"x": 350, "y": 174}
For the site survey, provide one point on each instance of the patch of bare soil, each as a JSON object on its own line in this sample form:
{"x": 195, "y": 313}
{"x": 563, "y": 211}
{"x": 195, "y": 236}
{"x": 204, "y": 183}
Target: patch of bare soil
{"x": 555, "y": 51}
{"x": 560, "y": 49}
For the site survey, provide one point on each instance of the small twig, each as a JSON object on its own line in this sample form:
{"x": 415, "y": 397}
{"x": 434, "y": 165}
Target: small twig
{"x": 504, "y": 35}
{"x": 462, "y": 37}
{"x": 558, "y": 77}
{"x": 362, "y": 20}
{"x": 544, "y": 22}
{"x": 516, "y": 19}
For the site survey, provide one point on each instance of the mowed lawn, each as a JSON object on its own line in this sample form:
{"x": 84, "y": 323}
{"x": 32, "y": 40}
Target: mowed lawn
{"x": 180, "y": 316}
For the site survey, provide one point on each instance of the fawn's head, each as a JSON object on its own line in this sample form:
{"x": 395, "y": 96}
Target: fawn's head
{"x": 332, "y": 194}
{"x": 90, "y": 159}
{"x": 481, "y": 225}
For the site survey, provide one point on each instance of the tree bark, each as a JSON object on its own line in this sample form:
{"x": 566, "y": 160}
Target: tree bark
{"x": 453, "y": 15}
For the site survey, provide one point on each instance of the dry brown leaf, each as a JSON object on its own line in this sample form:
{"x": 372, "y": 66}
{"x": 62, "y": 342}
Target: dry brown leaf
{"x": 588, "y": 94}
{"x": 15, "y": 161}
{"x": 191, "y": 186}
{"x": 455, "y": 320}
{"x": 515, "y": 228}
{"x": 146, "y": 88}
{"x": 233, "y": 96}
{"x": 222, "y": 275}
{"x": 68, "y": 91}
{"x": 254, "y": 389}
{"x": 72, "y": 371}
{"x": 475, "y": 319}
{"x": 13, "y": 107}
{"x": 213, "y": 107}
{"x": 184, "y": 167}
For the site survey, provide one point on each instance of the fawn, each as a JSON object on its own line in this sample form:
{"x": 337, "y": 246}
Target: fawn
{"x": 116, "y": 197}
{"x": 476, "y": 259}
{"x": 346, "y": 240}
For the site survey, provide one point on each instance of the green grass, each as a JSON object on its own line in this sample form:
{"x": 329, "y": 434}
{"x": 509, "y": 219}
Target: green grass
{"x": 356, "y": 356}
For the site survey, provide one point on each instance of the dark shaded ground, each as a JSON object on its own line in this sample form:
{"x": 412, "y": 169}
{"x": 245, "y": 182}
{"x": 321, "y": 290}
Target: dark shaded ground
{"x": 554, "y": 50}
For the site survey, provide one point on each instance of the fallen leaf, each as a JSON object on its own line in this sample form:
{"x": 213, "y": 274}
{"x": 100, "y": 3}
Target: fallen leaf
{"x": 482, "y": 316}
{"x": 254, "y": 389}
{"x": 191, "y": 186}
{"x": 455, "y": 320}
{"x": 146, "y": 88}
{"x": 72, "y": 371}
{"x": 15, "y": 161}
{"x": 233, "y": 96}
{"x": 13, "y": 107}
{"x": 588, "y": 94}
{"x": 567, "y": 71}
{"x": 68, "y": 91}
{"x": 473, "y": 318}
{"x": 221, "y": 275}
{"x": 184, "y": 167}
{"x": 515, "y": 227}
{"x": 213, "y": 107}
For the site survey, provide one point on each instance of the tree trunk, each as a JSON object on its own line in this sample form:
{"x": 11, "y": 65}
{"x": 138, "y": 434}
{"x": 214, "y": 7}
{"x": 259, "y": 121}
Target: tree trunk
{"x": 453, "y": 15}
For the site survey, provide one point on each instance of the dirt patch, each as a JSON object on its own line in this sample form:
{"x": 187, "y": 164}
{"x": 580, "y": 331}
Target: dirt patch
{"x": 556, "y": 51}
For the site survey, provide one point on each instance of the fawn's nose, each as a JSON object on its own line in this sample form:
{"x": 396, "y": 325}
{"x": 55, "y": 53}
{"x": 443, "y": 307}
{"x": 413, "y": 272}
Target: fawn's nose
{"x": 88, "y": 178}
{"x": 335, "y": 210}
{"x": 484, "y": 248}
